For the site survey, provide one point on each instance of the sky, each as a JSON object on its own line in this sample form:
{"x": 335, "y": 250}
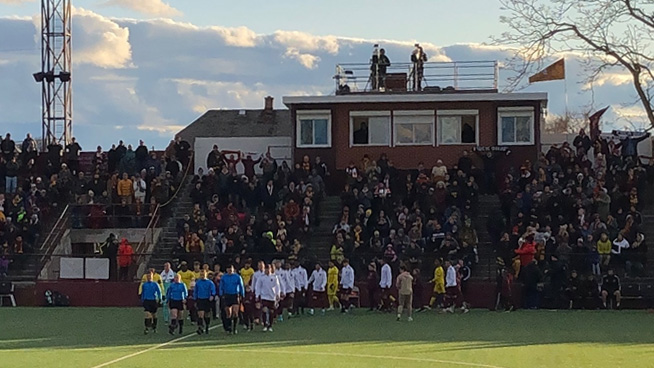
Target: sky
{"x": 145, "y": 69}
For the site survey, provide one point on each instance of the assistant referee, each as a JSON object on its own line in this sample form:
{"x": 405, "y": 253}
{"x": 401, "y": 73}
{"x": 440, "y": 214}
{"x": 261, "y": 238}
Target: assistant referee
{"x": 204, "y": 293}
{"x": 232, "y": 291}
{"x": 150, "y": 297}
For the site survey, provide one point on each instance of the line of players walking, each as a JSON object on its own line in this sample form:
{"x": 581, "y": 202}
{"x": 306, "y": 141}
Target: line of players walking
{"x": 262, "y": 296}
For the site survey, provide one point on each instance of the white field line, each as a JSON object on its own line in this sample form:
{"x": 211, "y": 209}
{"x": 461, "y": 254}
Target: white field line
{"x": 151, "y": 348}
{"x": 366, "y": 356}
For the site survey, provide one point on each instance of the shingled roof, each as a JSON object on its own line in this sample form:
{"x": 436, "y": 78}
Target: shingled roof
{"x": 239, "y": 123}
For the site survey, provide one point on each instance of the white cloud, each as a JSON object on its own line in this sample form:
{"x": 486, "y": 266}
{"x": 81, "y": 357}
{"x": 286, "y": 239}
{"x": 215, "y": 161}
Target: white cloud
{"x": 148, "y": 7}
{"x": 307, "y": 42}
{"x": 100, "y": 41}
{"x": 306, "y": 60}
{"x": 238, "y": 36}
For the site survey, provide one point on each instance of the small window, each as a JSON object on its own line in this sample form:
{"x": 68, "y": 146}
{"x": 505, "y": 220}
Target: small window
{"x": 516, "y": 127}
{"x": 414, "y": 129}
{"x": 457, "y": 127}
{"x": 314, "y": 130}
{"x": 370, "y": 129}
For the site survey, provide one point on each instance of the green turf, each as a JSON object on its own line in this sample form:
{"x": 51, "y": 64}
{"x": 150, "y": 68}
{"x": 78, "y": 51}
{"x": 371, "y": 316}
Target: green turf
{"x": 87, "y": 337}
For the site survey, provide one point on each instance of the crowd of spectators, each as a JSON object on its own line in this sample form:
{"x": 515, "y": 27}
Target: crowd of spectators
{"x": 572, "y": 218}
{"x": 237, "y": 215}
{"x": 120, "y": 186}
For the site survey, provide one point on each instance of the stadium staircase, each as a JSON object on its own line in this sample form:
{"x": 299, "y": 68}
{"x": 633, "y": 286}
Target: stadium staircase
{"x": 321, "y": 239}
{"x": 180, "y": 206}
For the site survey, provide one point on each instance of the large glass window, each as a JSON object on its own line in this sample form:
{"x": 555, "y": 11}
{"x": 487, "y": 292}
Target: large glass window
{"x": 415, "y": 129}
{"x": 370, "y": 128}
{"x": 516, "y": 127}
{"x": 457, "y": 126}
{"x": 313, "y": 130}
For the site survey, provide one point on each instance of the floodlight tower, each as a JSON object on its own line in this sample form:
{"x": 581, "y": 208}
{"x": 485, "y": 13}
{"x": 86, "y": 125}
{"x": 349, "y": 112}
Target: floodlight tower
{"x": 55, "y": 73}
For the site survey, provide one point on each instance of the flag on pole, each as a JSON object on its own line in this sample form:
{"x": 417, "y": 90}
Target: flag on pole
{"x": 594, "y": 123}
{"x": 555, "y": 71}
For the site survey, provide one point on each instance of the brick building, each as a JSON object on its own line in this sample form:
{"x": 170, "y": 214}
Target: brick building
{"x": 416, "y": 126}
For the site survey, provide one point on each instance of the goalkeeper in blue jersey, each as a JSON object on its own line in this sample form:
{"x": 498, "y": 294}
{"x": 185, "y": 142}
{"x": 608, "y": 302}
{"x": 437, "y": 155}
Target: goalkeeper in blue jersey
{"x": 150, "y": 297}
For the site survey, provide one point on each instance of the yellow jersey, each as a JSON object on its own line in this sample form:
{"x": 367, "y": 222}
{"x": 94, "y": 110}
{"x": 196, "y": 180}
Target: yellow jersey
{"x": 156, "y": 278}
{"x": 332, "y": 280}
{"x": 439, "y": 280}
{"x": 246, "y": 275}
{"x": 188, "y": 277}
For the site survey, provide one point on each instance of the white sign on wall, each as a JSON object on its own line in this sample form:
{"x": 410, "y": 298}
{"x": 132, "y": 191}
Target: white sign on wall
{"x": 97, "y": 268}
{"x": 279, "y": 147}
{"x": 71, "y": 268}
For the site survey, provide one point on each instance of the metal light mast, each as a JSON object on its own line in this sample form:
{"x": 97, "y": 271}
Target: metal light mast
{"x": 55, "y": 74}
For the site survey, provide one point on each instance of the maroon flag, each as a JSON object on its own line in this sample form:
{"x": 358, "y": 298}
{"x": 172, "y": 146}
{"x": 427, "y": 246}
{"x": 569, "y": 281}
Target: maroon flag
{"x": 594, "y": 124}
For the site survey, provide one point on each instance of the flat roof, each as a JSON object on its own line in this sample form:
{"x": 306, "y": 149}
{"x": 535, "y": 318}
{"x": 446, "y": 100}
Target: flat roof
{"x": 414, "y": 97}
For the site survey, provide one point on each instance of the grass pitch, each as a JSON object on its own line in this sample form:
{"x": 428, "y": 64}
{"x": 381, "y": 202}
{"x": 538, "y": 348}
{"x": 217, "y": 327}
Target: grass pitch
{"x": 94, "y": 337}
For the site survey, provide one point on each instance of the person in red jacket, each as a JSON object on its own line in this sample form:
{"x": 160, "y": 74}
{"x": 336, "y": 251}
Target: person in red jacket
{"x": 526, "y": 251}
{"x": 125, "y": 255}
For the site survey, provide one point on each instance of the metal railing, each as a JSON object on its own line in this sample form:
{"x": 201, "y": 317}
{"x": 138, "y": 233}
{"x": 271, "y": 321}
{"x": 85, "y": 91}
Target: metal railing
{"x": 110, "y": 216}
{"x": 53, "y": 238}
{"x": 455, "y": 75}
{"x": 148, "y": 239}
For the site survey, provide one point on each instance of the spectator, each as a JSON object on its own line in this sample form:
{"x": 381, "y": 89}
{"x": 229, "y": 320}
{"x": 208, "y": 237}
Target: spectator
{"x": 125, "y": 189}
{"x": 125, "y": 259}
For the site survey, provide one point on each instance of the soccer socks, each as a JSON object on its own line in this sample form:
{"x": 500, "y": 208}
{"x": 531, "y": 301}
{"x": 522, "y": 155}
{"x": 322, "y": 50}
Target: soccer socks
{"x": 181, "y": 325}
{"x": 207, "y": 322}
{"x": 154, "y": 323}
{"x": 147, "y": 322}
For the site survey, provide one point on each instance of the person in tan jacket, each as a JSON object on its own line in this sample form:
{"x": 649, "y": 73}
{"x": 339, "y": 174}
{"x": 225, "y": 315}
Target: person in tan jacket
{"x": 125, "y": 189}
{"x": 404, "y": 284}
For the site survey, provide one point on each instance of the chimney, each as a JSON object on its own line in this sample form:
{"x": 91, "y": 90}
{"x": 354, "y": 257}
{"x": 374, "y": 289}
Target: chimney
{"x": 268, "y": 105}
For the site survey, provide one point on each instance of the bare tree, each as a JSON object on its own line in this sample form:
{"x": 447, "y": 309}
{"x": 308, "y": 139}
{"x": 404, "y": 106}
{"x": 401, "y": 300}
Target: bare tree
{"x": 568, "y": 123}
{"x": 608, "y": 34}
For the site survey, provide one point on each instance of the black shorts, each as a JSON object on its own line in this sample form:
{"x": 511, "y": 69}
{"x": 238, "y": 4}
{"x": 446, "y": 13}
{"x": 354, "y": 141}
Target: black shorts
{"x": 176, "y": 304}
{"x": 230, "y": 299}
{"x": 150, "y": 306}
{"x": 203, "y": 305}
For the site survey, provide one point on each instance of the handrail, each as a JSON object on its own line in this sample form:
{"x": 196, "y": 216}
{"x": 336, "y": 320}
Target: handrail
{"x": 179, "y": 187}
{"x": 141, "y": 247}
{"x": 49, "y": 248}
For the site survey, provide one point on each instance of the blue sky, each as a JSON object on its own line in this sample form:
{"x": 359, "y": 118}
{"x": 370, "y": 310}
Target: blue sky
{"x": 147, "y": 68}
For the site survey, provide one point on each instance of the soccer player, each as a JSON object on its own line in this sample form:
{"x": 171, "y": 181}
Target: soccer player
{"x": 261, "y": 271}
{"x": 288, "y": 288}
{"x": 267, "y": 293}
{"x": 385, "y": 283}
{"x": 301, "y": 283}
{"x": 167, "y": 277}
{"x": 318, "y": 280}
{"x": 247, "y": 272}
{"x": 439, "y": 285}
{"x": 347, "y": 283}
{"x": 187, "y": 275}
{"x": 150, "y": 297}
{"x": 332, "y": 285}
{"x": 232, "y": 291}
{"x": 204, "y": 293}
{"x": 404, "y": 285}
{"x": 176, "y": 296}
{"x": 452, "y": 289}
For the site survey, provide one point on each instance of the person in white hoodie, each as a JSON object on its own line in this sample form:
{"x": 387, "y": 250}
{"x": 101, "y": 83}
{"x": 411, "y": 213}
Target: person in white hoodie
{"x": 268, "y": 294}
{"x": 385, "y": 283}
{"x": 318, "y": 280}
{"x": 347, "y": 284}
{"x": 301, "y": 282}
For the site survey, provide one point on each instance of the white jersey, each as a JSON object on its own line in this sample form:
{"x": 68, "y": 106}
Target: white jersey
{"x": 300, "y": 278}
{"x": 268, "y": 288}
{"x": 318, "y": 279}
{"x": 347, "y": 277}
{"x": 255, "y": 277}
{"x": 450, "y": 277}
{"x": 386, "y": 280}
{"x": 167, "y": 277}
{"x": 289, "y": 282}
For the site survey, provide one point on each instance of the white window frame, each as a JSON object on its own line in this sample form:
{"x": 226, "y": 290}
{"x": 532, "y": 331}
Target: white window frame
{"x": 400, "y": 113}
{"x": 354, "y": 114}
{"x": 516, "y": 111}
{"x": 312, "y": 115}
{"x": 443, "y": 113}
